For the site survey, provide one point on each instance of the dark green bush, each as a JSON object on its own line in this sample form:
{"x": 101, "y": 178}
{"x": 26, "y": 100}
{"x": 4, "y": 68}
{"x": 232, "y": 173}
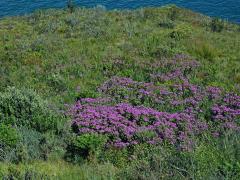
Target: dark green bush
{"x": 57, "y": 82}
{"x": 8, "y": 136}
{"x": 90, "y": 143}
{"x": 217, "y": 25}
{"x": 173, "y": 12}
{"x": 167, "y": 24}
{"x": 70, "y": 6}
{"x": 86, "y": 146}
{"x": 118, "y": 157}
{"x": 53, "y": 146}
{"x": 145, "y": 136}
{"x": 30, "y": 143}
{"x": 26, "y": 108}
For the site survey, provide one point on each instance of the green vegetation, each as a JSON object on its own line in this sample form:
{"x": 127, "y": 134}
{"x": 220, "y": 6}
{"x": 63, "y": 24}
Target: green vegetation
{"x": 217, "y": 25}
{"x": 52, "y": 58}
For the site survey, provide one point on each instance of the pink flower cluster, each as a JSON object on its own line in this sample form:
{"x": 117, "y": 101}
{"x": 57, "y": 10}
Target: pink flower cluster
{"x": 124, "y": 124}
{"x": 176, "y": 69}
{"x": 132, "y": 112}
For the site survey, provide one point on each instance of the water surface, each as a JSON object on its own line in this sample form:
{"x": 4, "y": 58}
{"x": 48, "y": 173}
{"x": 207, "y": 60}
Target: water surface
{"x": 227, "y": 9}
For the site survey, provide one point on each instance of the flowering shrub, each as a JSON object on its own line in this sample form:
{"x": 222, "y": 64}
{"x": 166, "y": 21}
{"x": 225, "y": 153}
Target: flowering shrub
{"x": 133, "y": 112}
{"x": 126, "y": 124}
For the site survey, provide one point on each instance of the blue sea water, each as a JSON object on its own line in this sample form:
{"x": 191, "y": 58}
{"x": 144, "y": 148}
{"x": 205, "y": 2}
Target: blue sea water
{"x": 226, "y": 9}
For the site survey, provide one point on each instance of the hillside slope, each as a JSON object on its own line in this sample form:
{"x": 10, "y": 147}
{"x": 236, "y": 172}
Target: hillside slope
{"x": 54, "y": 57}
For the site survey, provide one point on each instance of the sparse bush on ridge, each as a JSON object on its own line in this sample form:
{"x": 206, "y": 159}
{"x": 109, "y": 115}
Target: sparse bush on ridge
{"x": 217, "y": 25}
{"x": 167, "y": 24}
{"x": 173, "y": 12}
{"x": 70, "y": 6}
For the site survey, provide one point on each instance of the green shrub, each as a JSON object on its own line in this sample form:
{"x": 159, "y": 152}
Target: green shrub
{"x": 8, "y": 136}
{"x": 144, "y": 136}
{"x": 173, "y": 12}
{"x": 90, "y": 143}
{"x": 53, "y": 146}
{"x": 26, "y": 108}
{"x": 70, "y": 6}
{"x": 86, "y": 146}
{"x": 57, "y": 82}
{"x": 167, "y": 24}
{"x": 30, "y": 143}
{"x": 217, "y": 25}
{"x": 118, "y": 157}
{"x": 180, "y": 32}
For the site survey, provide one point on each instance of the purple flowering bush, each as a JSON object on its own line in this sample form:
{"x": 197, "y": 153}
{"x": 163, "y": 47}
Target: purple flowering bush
{"x": 129, "y": 125}
{"x": 168, "y": 109}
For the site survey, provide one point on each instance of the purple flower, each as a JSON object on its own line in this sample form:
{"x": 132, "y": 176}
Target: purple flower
{"x": 168, "y": 112}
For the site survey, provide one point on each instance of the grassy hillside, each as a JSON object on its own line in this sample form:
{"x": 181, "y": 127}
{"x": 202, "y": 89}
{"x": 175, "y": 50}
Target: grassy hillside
{"x": 50, "y": 59}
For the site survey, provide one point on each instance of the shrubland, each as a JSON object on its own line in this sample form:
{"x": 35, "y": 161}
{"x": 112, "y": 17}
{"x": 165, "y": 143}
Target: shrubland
{"x": 150, "y": 93}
